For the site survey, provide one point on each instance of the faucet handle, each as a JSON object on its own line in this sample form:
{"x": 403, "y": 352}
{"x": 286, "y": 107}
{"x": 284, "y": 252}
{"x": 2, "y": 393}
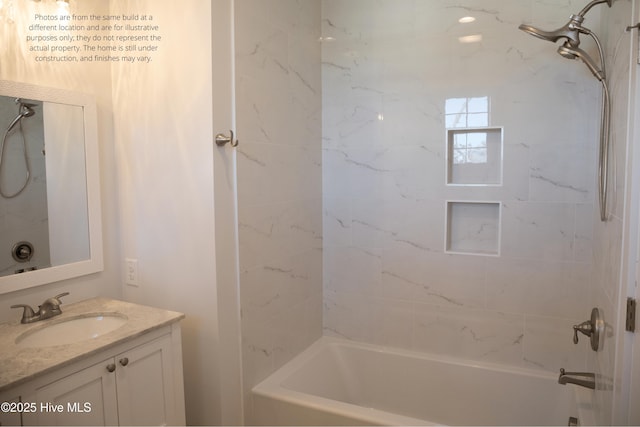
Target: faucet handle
{"x": 64, "y": 294}
{"x": 593, "y": 328}
{"x": 55, "y": 301}
{"x": 585, "y": 328}
{"x": 51, "y": 306}
{"x": 28, "y": 313}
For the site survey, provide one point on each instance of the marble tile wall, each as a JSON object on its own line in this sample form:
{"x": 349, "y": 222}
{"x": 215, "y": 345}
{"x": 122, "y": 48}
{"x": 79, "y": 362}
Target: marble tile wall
{"x": 609, "y": 284}
{"x": 278, "y": 96}
{"x": 390, "y": 71}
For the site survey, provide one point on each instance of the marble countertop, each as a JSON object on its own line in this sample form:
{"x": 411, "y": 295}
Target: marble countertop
{"x": 19, "y": 365}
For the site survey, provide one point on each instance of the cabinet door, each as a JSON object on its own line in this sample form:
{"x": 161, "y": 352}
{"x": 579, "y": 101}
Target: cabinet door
{"x": 146, "y": 392}
{"x": 87, "y": 397}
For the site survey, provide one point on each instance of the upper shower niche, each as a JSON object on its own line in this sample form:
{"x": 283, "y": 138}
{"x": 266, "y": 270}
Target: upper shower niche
{"x": 474, "y": 156}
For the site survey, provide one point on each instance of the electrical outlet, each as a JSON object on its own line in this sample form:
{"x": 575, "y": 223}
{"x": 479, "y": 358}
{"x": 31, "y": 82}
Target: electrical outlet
{"x": 131, "y": 272}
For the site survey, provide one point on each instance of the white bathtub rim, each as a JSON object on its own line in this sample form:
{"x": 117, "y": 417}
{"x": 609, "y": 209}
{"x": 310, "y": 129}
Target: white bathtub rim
{"x": 278, "y": 377}
{"x": 370, "y": 416}
{"x": 273, "y": 386}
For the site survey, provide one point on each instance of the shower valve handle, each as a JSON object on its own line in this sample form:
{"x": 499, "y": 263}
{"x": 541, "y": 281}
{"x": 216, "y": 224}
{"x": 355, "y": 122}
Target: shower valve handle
{"x": 222, "y": 139}
{"x": 593, "y": 328}
{"x": 584, "y": 327}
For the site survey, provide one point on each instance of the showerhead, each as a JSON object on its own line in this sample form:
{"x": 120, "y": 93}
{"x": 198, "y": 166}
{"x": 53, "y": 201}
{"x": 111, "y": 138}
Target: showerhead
{"x": 25, "y": 109}
{"x": 570, "y": 49}
{"x": 570, "y": 31}
{"x": 571, "y": 52}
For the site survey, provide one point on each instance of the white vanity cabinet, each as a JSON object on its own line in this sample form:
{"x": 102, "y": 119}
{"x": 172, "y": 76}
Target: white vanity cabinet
{"x": 138, "y": 382}
{"x": 92, "y": 384}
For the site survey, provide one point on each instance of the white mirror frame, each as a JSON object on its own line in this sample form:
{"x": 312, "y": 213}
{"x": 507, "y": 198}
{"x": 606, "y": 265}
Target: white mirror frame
{"x": 95, "y": 262}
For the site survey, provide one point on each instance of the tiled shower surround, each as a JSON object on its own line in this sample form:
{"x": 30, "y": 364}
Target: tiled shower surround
{"x": 414, "y": 181}
{"x": 611, "y": 237}
{"x": 391, "y": 72}
{"x": 278, "y": 107}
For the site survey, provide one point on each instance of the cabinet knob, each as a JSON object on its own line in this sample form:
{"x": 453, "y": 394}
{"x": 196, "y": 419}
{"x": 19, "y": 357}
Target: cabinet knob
{"x": 111, "y": 367}
{"x": 124, "y": 361}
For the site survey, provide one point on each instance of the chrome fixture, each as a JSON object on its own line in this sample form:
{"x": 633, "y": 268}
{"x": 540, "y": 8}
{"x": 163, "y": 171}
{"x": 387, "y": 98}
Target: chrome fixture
{"x": 222, "y": 139}
{"x": 593, "y": 328}
{"x": 583, "y": 379}
{"x": 632, "y": 27}
{"x": 47, "y": 310}
{"x": 22, "y": 251}
{"x": 570, "y": 49}
{"x": 570, "y": 31}
{"x": 25, "y": 109}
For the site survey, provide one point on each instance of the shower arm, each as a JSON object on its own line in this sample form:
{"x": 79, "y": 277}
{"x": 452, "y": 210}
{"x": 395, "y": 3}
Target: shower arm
{"x": 588, "y": 7}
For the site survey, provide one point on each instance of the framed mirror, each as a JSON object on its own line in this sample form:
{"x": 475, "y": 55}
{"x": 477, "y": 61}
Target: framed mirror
{"x": 50, "y": 212}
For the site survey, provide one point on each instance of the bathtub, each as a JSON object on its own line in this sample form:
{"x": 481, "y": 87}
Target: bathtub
{"x": 339, "y": 382}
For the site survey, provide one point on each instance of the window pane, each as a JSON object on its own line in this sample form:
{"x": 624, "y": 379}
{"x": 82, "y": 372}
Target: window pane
{"x": 477, "y": 155}
{"x": 478, "y": 120}
{"x": 477, "y": 140}
{"x": 456, "y": 121}
{"x": 456, "y": 106}
{"x": 478, "y": 105}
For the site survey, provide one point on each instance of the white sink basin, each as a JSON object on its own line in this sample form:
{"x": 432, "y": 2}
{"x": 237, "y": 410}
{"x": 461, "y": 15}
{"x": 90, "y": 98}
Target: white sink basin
{"x": 72, "y": 330}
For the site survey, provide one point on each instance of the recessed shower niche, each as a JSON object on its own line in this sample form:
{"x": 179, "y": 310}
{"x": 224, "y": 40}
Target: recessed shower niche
{"x": 473, "y": 228}
{"x": 474, "y": 156}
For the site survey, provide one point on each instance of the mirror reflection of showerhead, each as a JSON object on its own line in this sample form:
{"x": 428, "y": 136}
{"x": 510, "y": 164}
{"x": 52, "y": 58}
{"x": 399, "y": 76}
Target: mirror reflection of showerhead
{"x": 25, "y": 109}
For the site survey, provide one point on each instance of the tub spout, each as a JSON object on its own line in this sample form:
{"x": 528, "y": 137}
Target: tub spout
{"x": 584, "y": 379}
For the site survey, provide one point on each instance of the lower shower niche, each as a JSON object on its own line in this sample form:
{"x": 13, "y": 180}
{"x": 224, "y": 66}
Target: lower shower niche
{"x": 473, "y": 228}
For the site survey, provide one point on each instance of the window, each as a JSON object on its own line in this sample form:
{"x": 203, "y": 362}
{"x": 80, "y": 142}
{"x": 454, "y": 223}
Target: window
{"x": 467, "y": 112}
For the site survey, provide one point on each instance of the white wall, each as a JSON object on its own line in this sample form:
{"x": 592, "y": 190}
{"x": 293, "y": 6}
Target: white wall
{"x": 17, "y": 64}
{"x": 163, "y": 138}
{"x": 389, "y": 72}
{"x": 158, "y": 200}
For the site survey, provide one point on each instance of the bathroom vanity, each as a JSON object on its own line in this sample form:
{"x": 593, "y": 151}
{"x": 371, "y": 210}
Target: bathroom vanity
{"x": 128, "y": 371}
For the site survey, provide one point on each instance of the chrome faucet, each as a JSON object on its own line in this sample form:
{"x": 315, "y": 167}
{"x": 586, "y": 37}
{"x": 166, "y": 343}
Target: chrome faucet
{"x": 48, "y": 309}
{"x": 584, "y": 379}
